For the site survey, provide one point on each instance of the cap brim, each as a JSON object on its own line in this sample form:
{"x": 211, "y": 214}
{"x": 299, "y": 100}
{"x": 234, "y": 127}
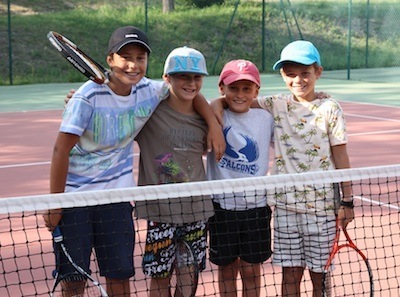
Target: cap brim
{"x": 278, "y": 65}
{"x": 181, "y": 71}
{"x": 236, "y": 77}
{"x": 117, "y": 48}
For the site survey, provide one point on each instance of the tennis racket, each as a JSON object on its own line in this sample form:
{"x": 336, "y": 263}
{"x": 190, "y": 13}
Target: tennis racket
{"x": 80, "y": 60}
{"x": 78, "y": 283}
{"x": 347, "y": 271}
{"x": 185, "y": 276}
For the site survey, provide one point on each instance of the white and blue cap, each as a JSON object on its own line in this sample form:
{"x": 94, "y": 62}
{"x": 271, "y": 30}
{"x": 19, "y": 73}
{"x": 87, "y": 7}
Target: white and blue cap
{"x": 187, "y": 60}
{"x": 299, "y": 51}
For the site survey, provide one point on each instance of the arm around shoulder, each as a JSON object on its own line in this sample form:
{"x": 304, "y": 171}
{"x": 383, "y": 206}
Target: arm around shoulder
{"x": 215, "y": 137}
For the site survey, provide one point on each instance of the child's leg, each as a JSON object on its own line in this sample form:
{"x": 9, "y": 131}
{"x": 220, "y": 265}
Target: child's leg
{"x": 255, "y": 247}
{"x": 291, "y": 281}
{"x": 227, "y": 276}
{"x": 251, "y": 278}
{"x": 158, "y": 257}
{"x": 114, "y": 235}
{"x": 118, "y": 287}
{"x": 224, "y": 250}
{"x": 77, "y": 232}
{"x": 159, "y": 287}
{"x": 316, "y": 279}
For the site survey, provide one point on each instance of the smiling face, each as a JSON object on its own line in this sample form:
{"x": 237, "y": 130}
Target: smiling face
{"x": 128, "y": 67}
{"x": 239, "y": 95}
{"x": 184, "y": 86}
{"x": 301, "y": 79}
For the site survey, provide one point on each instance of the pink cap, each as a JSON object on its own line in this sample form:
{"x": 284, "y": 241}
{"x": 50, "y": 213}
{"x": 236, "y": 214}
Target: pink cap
{"x": 239, "y": 70}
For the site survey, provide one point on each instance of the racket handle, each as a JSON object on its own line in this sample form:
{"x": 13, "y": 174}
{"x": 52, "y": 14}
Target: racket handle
{"x": 57, "y": 235}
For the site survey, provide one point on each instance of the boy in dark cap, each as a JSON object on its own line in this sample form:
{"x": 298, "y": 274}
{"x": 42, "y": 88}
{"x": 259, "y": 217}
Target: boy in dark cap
{"x": 94, "y": 151}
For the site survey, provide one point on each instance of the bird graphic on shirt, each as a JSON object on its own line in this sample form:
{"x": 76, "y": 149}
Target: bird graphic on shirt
{"x": 239, "y": 146}
{"x": 168, "y": 171}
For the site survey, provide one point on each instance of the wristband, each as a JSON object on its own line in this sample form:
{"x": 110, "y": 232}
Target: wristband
{"x": 348, "y": 204}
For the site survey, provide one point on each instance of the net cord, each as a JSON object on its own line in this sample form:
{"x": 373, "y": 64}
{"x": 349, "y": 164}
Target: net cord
{"x": 90, "y": 198}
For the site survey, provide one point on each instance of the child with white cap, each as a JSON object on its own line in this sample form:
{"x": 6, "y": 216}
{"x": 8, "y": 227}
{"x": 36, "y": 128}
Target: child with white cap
{"x": 240, "y": 233}
{"x": 172, "y": 145}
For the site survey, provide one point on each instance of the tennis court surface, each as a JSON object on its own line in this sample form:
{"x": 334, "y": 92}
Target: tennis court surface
{"x": 29, "y": 120}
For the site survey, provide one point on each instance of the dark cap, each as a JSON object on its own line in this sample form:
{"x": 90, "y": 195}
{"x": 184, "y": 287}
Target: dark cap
{"x": 125, "y": 35}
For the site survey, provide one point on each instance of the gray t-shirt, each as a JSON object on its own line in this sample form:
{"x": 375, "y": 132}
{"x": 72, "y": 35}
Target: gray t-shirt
{"x": 172, "y": 145}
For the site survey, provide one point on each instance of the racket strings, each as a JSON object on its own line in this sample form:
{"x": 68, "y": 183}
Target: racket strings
{"x": 183, "y": 282}
{"x": 75, "y": 285}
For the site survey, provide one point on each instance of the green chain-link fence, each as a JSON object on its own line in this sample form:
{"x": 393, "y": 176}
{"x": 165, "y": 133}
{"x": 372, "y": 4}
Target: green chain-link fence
{"x": 350, "y": 34}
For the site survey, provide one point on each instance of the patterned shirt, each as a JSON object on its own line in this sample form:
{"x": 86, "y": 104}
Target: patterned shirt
{"x": 107, "y": 124}
{"x": 304, "y": 135}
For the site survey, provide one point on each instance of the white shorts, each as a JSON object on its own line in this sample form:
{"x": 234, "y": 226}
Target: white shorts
{"x": 302, "y": 239}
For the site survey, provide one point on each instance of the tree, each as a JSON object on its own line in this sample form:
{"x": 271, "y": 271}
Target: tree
{"x": 168, "y": 6}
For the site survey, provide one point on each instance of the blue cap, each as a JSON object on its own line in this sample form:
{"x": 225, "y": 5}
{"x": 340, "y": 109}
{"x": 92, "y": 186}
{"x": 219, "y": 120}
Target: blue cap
{"x": 299, "y": 51}
{"x": 185, "y": 60}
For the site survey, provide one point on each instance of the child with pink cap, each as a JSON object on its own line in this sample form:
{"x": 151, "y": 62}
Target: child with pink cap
{"x": 240, "y": 234}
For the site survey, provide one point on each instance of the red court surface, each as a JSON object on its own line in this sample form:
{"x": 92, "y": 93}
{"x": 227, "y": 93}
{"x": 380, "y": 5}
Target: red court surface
{"x": 26, "y": 145}
{"x": 27, "y": 140}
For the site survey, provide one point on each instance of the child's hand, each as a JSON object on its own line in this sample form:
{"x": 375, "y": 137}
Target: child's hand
{"x": 69, "y": 96}
{"x": 51, "y": 218}
{"x": 345, "y": 216}
{"x": 216, "y": 141}
{"x": 322, "y": 95}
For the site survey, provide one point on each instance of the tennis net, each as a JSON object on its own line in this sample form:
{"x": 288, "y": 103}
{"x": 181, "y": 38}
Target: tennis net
{"x": 27, "y": 259}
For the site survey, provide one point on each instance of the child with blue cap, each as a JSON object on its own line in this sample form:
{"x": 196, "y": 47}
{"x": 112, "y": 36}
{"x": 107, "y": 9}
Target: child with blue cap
{"x": 310, "y": 135}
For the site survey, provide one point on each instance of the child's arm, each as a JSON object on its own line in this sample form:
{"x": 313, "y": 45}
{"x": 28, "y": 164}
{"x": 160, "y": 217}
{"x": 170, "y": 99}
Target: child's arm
{"x": 58, "y": 173}
{"x": 218, "y": 105}
{"x": 215, "y": 137}
{"x": 342, "y": 161}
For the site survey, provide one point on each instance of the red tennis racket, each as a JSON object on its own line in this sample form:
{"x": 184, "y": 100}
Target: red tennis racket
{"x": 79, "y": 59}
{"x": 347, "y": 271}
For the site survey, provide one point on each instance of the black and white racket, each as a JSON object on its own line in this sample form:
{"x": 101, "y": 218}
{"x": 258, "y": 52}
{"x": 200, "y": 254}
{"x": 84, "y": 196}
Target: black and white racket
{"x": 185, "y": 275}
{"x": 80, "y": 60}
{"x": 78, "y": 283}
{"x": 347, "y": 271}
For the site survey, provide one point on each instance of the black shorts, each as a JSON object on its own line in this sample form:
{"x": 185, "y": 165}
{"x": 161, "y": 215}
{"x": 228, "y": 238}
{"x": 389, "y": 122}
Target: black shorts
{"x": 245, "y": 234}
{"x": 109, "y": 229}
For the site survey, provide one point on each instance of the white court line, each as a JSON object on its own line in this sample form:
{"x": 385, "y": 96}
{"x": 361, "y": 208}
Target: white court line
{"x": 48, "y": 162}
{"x": 372, "y": 118}
{"x": 374, "y": 133}
{"x": 33, "y": 164}
{"x": 24, "y": 165}
{"x": 378, "y": 203}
